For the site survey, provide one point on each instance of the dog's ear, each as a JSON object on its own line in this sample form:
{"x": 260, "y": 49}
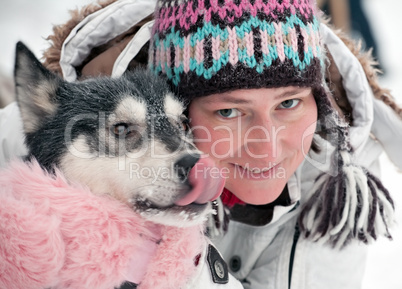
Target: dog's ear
{"x": 35, "y": 88}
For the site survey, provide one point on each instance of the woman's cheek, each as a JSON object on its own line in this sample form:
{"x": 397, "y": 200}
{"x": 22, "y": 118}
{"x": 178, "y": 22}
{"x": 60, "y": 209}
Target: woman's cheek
{"x": 202, "y": 138}
{"x": 303, "y": 135}
{"x": 217, "y": 143}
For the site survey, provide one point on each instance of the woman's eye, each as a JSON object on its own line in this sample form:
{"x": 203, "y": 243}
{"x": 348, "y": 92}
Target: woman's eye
{"x": 228, "y": 113}
{"x": 290, "y": 103}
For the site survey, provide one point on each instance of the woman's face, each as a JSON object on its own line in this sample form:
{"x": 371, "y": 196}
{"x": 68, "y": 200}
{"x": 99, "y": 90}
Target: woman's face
{"x": 258, "y": 137}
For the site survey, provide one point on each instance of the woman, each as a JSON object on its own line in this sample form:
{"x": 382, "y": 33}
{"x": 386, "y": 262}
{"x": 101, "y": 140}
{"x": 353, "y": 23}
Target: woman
{"x": 253, "y": 75}
{"x": 260, "y": 115}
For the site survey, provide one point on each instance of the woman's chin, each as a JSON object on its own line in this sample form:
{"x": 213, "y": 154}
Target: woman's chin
{"x": 257, "y": 193}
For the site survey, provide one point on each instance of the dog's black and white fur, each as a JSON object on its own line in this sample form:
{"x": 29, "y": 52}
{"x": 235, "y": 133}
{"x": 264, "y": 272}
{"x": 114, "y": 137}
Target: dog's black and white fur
{"x": 125, "y": 137}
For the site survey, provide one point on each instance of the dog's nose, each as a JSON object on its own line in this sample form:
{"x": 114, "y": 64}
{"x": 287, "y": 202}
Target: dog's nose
{"x": 185, "y": 164}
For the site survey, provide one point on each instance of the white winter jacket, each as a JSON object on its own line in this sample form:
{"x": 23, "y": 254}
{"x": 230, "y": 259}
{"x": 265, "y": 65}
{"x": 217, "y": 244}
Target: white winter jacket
{"x": 271, "y": 255}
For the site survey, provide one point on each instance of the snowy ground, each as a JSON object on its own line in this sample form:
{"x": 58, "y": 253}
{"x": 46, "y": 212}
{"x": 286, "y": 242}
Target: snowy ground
{"x": 385, "y": 258}
{"x": 31, "y": 21}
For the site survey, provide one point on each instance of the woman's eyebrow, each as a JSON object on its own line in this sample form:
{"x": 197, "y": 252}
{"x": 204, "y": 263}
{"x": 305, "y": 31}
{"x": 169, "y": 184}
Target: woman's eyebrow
{"x": 293, "y": 93}
{"x": 228, "y": 99}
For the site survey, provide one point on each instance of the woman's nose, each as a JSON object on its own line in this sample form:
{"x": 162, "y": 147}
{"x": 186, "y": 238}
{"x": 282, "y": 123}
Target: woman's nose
{"x": 262, "y": 141}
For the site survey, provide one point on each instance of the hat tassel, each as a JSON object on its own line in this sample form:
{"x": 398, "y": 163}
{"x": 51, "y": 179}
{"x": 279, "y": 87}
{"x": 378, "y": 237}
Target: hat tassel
{"x": 351, "y": 205}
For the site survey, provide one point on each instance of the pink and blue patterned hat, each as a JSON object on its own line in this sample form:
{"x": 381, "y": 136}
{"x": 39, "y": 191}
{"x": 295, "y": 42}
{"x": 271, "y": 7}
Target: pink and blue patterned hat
{"x": 210, "y": 46}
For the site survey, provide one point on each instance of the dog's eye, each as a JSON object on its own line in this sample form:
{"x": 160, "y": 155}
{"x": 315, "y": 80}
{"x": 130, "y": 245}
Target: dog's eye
{"x": 121, "y": 129}
{"x": 185, "y": 123}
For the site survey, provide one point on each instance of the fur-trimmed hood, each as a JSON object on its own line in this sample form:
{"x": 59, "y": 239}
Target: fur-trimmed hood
{"x": 52, "y": 55}
{"x": 110, "y": 25}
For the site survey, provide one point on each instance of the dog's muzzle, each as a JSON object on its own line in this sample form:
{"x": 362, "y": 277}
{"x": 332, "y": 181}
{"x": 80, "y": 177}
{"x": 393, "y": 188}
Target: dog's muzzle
{"x": 205, "y": 178}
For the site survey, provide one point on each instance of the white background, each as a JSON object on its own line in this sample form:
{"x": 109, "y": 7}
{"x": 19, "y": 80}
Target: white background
{"x": 31, "y": 21}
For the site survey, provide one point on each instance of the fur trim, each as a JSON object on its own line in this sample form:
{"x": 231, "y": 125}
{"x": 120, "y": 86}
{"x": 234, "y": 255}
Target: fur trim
{"x": 60, "y": 33}
{"x": 55, "y": 235}
{"x": 175, "y": 261}
{"x": 369, "y": 66}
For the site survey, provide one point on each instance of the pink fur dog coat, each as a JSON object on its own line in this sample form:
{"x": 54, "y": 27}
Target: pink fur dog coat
{"x": 56, "y": 235}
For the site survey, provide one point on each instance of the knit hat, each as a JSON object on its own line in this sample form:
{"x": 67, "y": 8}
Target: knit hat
{"x": 212, "y": 46}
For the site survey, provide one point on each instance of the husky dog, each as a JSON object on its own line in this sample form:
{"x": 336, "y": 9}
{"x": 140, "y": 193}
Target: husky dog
{"x": 126, "y": 137}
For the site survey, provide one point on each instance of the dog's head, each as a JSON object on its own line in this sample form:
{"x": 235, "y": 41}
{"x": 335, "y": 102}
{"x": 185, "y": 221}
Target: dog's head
{"x": 126, "y": 137}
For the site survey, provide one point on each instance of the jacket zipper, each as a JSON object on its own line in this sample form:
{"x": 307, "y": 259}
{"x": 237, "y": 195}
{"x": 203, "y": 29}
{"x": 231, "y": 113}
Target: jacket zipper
{"x": 293, "y": 251}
